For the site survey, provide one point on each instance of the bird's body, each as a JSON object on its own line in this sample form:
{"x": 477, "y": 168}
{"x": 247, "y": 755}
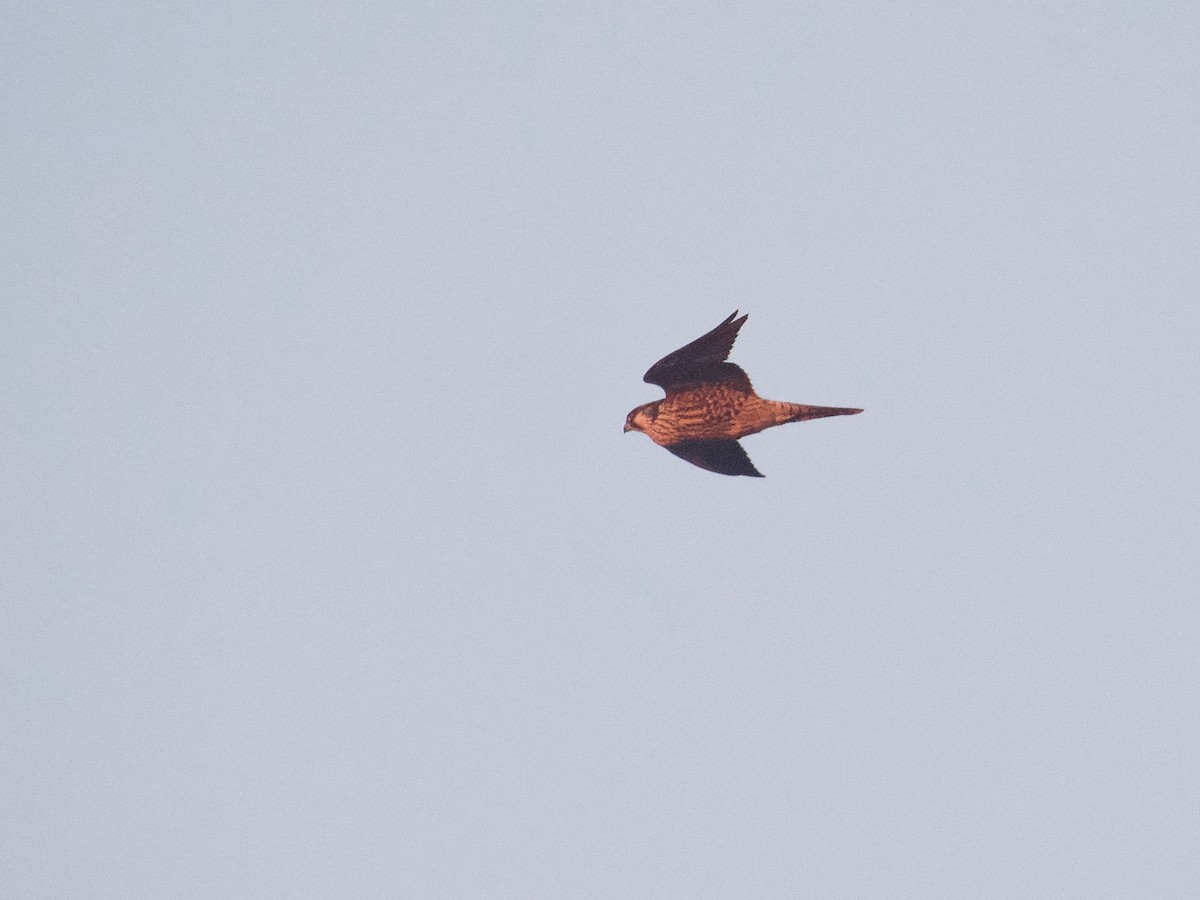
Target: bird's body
{"x": 710, "y": 404}
{"x": 721, "y": 414}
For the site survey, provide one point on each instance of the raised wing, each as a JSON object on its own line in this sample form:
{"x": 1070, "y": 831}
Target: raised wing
{"x": 722, "y": 457}
{"x": 701, "y": 361}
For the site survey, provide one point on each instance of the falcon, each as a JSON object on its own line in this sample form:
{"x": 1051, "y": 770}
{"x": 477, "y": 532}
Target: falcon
{"x": 710, "y": 403}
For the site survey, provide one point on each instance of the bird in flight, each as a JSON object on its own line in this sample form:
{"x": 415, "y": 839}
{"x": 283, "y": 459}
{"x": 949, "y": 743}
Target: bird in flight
{"x": 710, "y": 403}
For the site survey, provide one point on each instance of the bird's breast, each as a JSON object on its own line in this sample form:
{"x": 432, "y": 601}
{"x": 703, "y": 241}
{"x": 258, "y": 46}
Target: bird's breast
{"x": 710, "y": 413}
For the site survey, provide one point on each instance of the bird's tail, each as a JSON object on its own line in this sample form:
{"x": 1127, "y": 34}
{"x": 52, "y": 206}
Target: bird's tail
{"x": 798, "y": 412}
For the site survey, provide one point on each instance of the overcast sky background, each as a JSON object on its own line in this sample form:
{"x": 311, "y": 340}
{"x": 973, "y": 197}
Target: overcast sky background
{"x": 328, "y": 571}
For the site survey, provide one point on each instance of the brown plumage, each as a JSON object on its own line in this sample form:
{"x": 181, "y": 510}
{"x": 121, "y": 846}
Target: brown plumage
{"x": 710, "y": 403}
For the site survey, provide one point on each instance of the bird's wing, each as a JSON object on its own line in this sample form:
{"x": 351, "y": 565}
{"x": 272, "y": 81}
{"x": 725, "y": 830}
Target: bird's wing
{"x": 723, "y": 457}
{"x": 702, "y": 361}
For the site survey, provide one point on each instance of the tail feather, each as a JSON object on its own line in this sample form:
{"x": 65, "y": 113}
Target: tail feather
{"x": 798, "y": 412}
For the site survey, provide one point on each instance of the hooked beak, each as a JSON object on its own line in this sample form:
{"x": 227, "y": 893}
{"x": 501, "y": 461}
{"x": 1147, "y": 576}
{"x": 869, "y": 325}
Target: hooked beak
{"x": 627, "y": 427}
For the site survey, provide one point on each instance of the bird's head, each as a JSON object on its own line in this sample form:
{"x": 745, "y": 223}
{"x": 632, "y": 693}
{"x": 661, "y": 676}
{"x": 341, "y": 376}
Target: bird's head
{"x": 641, "y": 417}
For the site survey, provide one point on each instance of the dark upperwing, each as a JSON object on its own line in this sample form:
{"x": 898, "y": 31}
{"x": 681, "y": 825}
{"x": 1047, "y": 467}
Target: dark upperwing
{"x": 723, "y": 457}
{"x": 701, "y": 361}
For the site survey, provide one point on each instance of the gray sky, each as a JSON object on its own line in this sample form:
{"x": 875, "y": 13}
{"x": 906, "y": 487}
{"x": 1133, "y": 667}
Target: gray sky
{"x": 327, "y": 570}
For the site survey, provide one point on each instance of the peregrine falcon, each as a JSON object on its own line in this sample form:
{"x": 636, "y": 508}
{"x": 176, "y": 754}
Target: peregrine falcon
{"x": 710, "y": 403}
